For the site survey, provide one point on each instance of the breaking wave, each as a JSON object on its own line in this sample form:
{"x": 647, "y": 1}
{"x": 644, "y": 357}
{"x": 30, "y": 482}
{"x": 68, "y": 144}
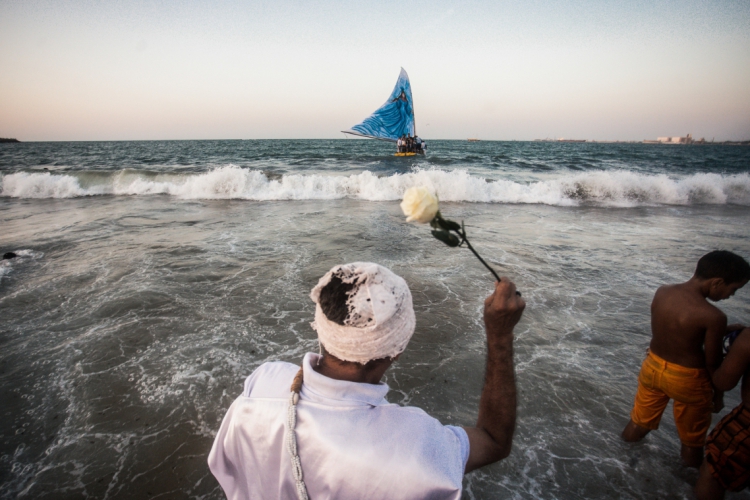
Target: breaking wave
{"x": 611, "y": 188}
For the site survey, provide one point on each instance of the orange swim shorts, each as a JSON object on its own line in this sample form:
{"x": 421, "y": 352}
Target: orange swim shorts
{"x": 728, "y": 450}
{"x": 691, "y": 389}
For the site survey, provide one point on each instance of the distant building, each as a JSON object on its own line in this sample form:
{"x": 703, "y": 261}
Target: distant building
{"x": 688, "y": 139}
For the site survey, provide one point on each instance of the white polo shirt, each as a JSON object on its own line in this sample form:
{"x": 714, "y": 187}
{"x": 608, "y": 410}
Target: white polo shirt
{"x": 352, "y": 443}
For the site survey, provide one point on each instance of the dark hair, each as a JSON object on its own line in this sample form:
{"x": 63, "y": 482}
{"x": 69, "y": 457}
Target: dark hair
{"x": 333, "y": 299}
{"x": 725, "y": 265}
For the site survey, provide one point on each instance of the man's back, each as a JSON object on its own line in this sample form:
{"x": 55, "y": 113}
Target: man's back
{"x": 328, "y": 432}
{"x": 351, "y": 442}
{"x": 680, "y": 317}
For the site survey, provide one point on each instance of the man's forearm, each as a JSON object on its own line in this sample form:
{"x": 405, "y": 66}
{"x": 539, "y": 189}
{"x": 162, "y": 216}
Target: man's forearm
{"x": 492, "y": 438}
{"x": 497, "y": 406}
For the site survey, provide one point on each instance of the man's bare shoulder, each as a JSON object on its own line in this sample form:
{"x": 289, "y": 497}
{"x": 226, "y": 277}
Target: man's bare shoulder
{"x": 667, "y": 292}
{"x": 688, "y": 300}
{"x": 716, "y": 313}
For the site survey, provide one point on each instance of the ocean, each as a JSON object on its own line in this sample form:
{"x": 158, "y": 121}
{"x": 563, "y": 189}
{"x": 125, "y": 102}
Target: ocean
{"x": 153, "y": 277}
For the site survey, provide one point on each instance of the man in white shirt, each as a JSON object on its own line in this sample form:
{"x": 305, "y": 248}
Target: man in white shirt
{"x": 327, "y": 431}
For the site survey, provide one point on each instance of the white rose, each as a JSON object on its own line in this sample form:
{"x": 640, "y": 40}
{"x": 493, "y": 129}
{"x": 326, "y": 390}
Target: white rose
{"x": 419, "y": 205}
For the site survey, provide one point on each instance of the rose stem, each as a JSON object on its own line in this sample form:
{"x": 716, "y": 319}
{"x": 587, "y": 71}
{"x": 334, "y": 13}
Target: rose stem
{"x": 463, "y": 236}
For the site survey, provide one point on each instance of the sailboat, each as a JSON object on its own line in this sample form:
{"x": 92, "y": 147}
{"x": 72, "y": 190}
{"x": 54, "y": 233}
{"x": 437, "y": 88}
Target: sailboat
{"x": 394, "y": 121}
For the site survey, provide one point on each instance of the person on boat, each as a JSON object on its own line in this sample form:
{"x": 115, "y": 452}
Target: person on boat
{"x": 400, "y": 143}
{"x": 326, "y": 430}
{"x": 686, "y": 346}
{"x": 420, "y": 145}
{"x": 404, "y": 144}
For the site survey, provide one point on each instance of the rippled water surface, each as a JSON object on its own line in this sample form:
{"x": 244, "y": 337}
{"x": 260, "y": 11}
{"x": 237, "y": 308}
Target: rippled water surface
{"x": 130, "y": 319}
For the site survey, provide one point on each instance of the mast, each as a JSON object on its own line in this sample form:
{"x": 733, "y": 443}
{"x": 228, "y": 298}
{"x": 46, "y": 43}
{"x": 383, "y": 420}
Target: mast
{"x": 413, "y": 113}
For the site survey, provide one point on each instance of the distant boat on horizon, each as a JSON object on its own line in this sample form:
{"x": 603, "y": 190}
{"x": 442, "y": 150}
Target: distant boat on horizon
{"x": 394, "y": 121}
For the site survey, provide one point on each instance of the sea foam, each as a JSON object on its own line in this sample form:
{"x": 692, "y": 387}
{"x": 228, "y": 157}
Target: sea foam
{"x": 611, "y": 188}
{"x": 6, "y": 265}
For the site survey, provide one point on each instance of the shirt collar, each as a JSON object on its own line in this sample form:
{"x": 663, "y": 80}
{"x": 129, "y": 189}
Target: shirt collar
{"x": 338, "y": 392}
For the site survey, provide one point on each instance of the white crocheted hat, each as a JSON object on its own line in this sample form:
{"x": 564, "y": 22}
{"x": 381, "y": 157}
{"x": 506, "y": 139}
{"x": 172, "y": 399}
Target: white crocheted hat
{"x": 381, "y": 318}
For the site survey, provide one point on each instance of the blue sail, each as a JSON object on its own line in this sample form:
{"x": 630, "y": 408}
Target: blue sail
{"x": 393, "y": 119}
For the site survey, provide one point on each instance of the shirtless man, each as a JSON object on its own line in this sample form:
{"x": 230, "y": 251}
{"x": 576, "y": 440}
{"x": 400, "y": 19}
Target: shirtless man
{"x": 727, "y": 464}
{"x": 685, "y": 350}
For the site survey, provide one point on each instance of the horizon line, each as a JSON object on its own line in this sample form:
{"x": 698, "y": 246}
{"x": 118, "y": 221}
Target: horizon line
{"x": 13, "y": 140}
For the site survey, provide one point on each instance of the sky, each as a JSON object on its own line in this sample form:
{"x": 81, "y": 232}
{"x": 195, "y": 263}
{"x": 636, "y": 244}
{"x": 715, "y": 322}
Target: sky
{"x": 499, "y": 70}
